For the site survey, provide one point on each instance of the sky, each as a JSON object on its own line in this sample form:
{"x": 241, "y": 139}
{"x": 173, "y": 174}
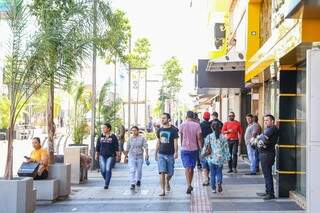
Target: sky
{"x": 174, "y": 28}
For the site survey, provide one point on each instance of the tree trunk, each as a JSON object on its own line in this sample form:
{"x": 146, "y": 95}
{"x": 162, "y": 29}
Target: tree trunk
{"x": 51, "y": 128}
{"x": 145, "y": 100}
{"x": 115, "y": 80}
{"x": 138, "y": 90}
{"x": 8, "y": 174}
{"x": 94, "y": 79}
{"x": 9, "y": 164}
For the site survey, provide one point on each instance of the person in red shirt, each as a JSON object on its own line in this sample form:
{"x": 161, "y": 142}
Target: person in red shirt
{"x": 233, "y": 131}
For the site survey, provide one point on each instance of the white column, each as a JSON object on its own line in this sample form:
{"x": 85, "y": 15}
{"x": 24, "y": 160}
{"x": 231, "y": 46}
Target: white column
{"x": 313, "y": 136}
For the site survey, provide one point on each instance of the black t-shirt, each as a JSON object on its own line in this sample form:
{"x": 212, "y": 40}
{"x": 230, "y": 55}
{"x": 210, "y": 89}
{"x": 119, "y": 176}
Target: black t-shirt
{"x": 107, "y": 146}
{"x": 205, "y": 129}
{"x": 218, "y": 121}
{"x": 166, "y": 137}
{"x": 272, "y": 135}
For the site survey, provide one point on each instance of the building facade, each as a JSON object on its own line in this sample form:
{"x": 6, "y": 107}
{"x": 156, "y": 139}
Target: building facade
{"x": 279, "y": 33}
{"x": 273, "y": 36}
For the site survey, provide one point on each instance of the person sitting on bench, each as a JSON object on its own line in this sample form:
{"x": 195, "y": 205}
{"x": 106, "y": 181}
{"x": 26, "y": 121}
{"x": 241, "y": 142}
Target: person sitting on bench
{"x": 41, "y": 156}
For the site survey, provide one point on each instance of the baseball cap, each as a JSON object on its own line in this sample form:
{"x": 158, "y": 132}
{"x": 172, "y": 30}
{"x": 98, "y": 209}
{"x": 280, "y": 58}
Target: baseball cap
{"x": 206, "y": 115}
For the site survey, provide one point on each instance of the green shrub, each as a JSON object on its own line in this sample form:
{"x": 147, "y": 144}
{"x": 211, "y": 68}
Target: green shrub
{"x": 151, "y": 136}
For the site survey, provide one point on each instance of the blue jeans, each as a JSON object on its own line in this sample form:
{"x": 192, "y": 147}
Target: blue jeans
{"x": 205, "y": 164}
{"x": 254, "y": 160}
{"x": 215, "y": 175}
{"x": 106, "y": 167}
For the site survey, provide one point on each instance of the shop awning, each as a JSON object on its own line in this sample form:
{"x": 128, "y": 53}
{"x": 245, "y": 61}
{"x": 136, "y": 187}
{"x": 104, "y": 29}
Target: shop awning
{"x": 209, "y": 78}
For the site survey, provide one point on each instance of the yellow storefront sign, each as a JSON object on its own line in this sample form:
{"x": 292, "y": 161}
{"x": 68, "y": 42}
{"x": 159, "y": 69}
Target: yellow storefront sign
{"x": 283, "y": 40}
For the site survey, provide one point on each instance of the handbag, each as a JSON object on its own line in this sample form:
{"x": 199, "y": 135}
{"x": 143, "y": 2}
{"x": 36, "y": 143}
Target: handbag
{"x": 28, "y": 169}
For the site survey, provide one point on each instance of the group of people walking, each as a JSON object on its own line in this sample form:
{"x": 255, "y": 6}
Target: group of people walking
{"x": 211, "y": 142}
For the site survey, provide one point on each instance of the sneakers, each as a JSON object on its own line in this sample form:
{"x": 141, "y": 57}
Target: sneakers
{"x": 251, "y": 173}
{"x": 132, "y": 187}
{"x": 269, "y": 197}
{"x": 214, "y": 191}
{"x": 230, "y": 171}
{"x": 106, "y": 187}
{"x": 261, "y": 194}
{"x": 219, "y": 187}
{"x": 138, "y": 183}
{"x": 189, "y": 190}
{"x": 205, "y": 184}
{"x": 235, "y": 170}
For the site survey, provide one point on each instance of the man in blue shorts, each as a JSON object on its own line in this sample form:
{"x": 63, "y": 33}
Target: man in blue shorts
{"x": 166, "y": 151}
{"x": 191, "y": 142}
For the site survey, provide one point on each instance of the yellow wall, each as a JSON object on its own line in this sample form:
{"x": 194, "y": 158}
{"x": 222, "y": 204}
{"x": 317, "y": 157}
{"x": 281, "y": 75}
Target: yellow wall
{"x": 291, "y": 34}
{"x": 253, "y": 41}
{"x": 309, "y": 32}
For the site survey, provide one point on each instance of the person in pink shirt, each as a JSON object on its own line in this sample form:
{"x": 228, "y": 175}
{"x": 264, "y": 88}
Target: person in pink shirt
{"x": 191, "y": 141}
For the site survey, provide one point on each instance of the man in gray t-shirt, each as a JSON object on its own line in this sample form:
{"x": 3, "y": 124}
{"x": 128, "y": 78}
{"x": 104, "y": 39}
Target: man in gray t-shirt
{"x": 252, "y": 131}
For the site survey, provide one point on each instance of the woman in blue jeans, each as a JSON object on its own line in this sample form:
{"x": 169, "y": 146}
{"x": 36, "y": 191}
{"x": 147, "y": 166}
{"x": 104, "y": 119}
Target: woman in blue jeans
{"x": 218, "y": 156}
{"x": 107, "y": 151}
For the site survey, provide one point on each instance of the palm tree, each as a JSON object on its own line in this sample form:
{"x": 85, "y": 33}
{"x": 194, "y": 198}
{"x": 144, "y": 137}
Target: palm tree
{"x": 82, "y": 105}
{"x": 23, "y": 72}
{"x": 66, "y": 34}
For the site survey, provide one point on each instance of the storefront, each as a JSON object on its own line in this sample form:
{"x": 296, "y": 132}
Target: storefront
{"x": 277, "y": 75}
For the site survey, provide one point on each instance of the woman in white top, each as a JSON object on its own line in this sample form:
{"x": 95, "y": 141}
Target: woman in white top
{"x": 135, "y": 146}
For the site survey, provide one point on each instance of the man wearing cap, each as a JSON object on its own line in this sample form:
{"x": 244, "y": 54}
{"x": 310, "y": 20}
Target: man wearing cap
{"x": 233, "y": 131}
{"x": 206, "y": 130}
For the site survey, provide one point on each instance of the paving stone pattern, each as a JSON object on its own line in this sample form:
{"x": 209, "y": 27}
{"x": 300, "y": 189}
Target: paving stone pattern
{"x": 239, "y": 194}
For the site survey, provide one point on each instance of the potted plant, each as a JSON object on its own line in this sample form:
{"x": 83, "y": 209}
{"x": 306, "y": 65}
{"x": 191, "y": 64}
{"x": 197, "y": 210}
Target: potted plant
{"x": 77, "y": 153}
{"x": 81, "y": 107}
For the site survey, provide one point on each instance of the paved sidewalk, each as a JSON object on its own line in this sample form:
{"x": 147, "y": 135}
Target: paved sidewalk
{"x": 239, "y": 195}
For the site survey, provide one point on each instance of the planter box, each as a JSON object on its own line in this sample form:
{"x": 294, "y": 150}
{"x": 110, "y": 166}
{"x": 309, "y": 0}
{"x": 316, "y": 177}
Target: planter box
{"x": 72, "y": 156}
{"x": 47, "y": 189}
{"x": 61, "y": 172}
{"x": 17, "y": 195}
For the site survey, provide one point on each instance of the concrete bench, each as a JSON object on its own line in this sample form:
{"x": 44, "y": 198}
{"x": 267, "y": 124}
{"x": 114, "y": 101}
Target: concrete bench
{"x": 47, "y": 189}
{"x": 34, "y": 197}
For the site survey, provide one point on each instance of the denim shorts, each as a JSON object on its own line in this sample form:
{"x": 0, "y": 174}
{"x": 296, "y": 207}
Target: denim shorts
{"x": 166, "y": 164}
{"x": 189, "y": 158}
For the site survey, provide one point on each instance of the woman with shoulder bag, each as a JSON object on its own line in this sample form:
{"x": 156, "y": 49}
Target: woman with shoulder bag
{"x": 219, "y": 154}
